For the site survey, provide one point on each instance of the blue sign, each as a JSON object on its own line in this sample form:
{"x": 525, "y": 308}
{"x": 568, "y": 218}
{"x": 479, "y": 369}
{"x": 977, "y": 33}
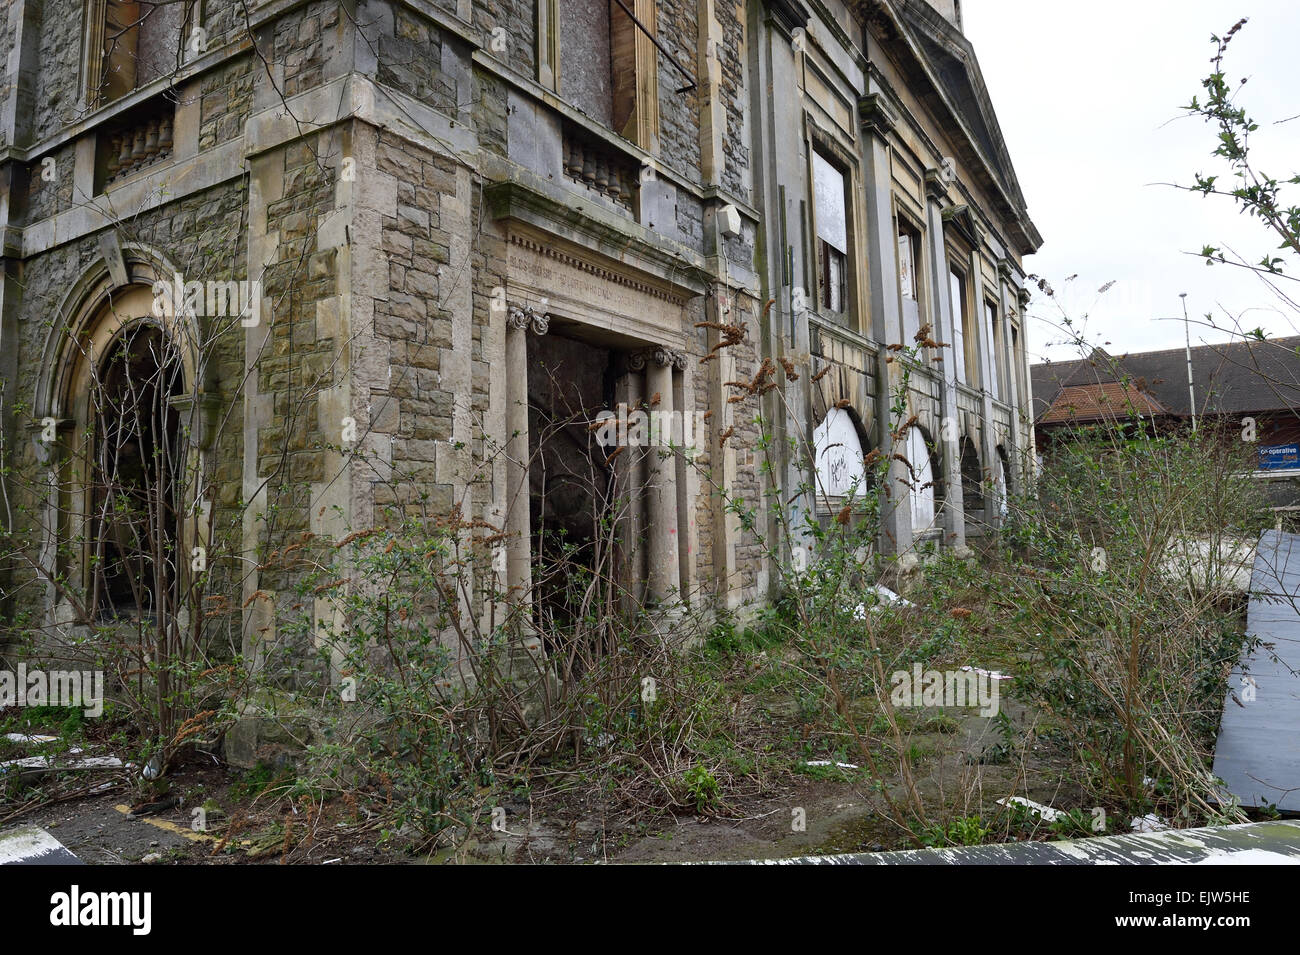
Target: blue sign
{"x": 1279, "y": 457}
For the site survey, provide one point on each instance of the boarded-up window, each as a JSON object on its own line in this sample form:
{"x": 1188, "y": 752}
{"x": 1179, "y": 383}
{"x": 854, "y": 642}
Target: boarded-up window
{"x": 832, "y": 233}
{"x": 963, "y": 340}
{"x": 909, "y": 271}
{"x": 997, "y": 366}
{"x": 840, "y": 468}
{"x": 140, "y": 42}
{"x": 622, "y": 60}
{"x": 921, "y": 498}
{"x": 585, "y": 63}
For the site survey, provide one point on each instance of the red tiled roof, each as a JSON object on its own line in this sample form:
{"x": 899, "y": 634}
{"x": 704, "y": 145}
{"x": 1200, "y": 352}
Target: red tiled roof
{"x": 1100, "y": 402}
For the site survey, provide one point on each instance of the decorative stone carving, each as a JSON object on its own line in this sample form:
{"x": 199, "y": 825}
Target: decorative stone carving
{"x": 664, "y": 357}
{"x": 523, "y": 317}
{"x": 661, "y": 355}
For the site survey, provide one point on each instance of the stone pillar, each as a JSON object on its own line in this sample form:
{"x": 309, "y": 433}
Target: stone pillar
{"x": 519, "y": 566}
{"x": 1005, "y": 361}
{"x": 984, "y": 342}
{"x": 683, "y": 474}
{"x": 664, "y": 570}
{"x": 631, "y": 471}
{"x": 878, "y": 117}
{"x": 945, "y": 318}
{"x": 1027, "y": 464}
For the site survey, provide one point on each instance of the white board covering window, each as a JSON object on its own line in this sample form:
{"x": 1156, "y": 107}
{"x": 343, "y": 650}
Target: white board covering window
{"x": 1000, "y": 483}
{"x": 828, "y": 186}
{"x": 832, "y": 233}
{"x": 906, "y": 267}
{"x": 957, "y": 288}
{"x": 921, "y": 498}
{"x": 840, "y": 470}
{"x": 908, "y": 246}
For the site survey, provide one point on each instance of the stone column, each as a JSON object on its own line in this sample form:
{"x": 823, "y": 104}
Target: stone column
{"x": 630, "y": 468}
{"x": 878, "y": 116}
{"x": 945, "y": 318}
{"x": 519, "y": 568}
{"x": 664, "y": 568}
{"x": 1026, "y": 465}
{"x": 984, "y": 344}
{"x": 682, "y": 474}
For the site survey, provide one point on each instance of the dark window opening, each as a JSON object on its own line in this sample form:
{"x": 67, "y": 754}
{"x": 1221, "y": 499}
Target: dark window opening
{"x": 136, "y": 467}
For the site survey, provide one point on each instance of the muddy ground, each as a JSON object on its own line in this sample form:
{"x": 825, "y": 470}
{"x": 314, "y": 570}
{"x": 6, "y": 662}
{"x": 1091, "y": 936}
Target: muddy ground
{"x": 213, "y": 815}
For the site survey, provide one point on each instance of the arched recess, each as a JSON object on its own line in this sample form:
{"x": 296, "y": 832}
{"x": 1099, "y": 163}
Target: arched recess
{"x": 121, "y": 385}
{"x": 972, "y": 478}
{"x": 926, "y": 492}
{"x": 1000, "y": 492}
{"x": 840, "y": 445}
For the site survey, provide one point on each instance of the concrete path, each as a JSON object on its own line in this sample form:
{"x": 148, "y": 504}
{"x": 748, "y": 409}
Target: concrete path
{"x": 32, "y": 845}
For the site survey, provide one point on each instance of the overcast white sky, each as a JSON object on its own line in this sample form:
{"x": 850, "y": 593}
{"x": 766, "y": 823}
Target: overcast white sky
{"x": 1088, "y": 97}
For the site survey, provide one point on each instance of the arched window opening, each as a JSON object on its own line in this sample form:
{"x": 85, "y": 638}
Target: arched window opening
{"x": 840, "y": 450}
{"x": 972, "y": 478}
{"x": 1000, "y": 481}
{"x": 922, "y": 498}
{"x": 135, "y": 472}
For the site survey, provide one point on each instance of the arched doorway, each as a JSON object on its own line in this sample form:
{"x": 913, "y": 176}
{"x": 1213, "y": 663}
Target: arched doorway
{"x": 117, "y": 378}
{"x": 135, "y": 463}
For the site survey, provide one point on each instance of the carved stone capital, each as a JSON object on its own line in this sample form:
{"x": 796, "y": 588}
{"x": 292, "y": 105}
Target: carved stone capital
{"x": 661, "y": 355}
{"x": 523, "y": 317}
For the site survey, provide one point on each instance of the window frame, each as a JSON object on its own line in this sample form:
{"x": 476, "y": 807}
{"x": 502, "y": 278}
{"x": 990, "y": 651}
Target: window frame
{"x": 92, "y": 83}
{"x": 906, "y": 224}
{"x": 642, "y": 126}
{"x": 821, "y": 145}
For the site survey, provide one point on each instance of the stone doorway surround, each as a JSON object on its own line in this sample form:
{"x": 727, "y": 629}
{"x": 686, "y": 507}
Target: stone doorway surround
{"x": 643, "y": 320}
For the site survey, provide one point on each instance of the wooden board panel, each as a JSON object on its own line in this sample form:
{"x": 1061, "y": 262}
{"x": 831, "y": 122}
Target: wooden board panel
{"x": 1258, "y": 753}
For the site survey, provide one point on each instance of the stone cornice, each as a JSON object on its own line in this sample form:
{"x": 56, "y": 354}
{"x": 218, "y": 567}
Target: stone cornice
{"x": 791, "y": 15}
{"x": 878, "y": 114}
{"x": 936, "y": 184}
{"x": 671, "y": 273}
{"x": 607, "y": 273}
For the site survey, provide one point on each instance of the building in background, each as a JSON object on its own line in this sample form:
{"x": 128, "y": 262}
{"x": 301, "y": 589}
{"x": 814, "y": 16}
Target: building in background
{"x": 1249, "y": 390}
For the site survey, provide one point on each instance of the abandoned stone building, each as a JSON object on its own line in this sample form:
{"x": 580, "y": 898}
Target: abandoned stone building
{"x": 419, "y": 254}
